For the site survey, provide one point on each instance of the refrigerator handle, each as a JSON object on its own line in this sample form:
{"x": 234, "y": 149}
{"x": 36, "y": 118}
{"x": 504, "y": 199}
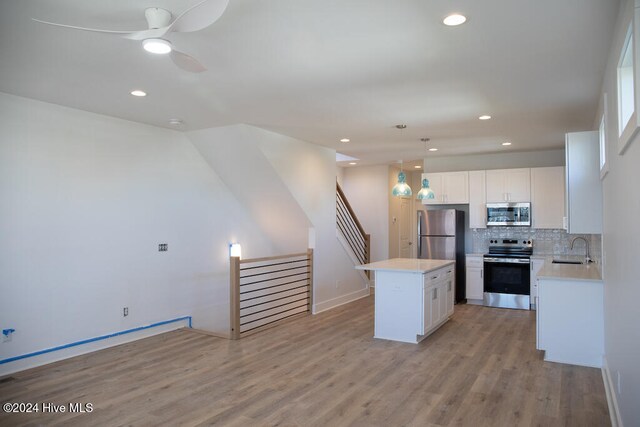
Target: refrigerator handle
{"x": 420, "y": 213}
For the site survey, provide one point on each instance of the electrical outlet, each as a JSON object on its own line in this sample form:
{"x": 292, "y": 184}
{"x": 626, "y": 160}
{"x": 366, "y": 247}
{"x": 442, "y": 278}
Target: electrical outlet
{"x": 163, "y": 247}
{"x": 619, "y": 385}
{"x": 125, "y": 311}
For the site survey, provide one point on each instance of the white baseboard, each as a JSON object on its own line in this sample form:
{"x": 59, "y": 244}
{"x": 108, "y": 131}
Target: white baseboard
{"x": 612, "y": 399}
{"x": 551, "y": 357}
{"x": 341, "y": 300}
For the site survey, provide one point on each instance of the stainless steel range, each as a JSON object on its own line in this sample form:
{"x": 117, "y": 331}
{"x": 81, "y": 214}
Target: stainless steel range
{"x": 507, "y": 273}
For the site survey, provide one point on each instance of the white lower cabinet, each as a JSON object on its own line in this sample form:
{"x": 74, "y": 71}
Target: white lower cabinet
{"x": 570, "y": 321}
{"x": 450, "y": 295}
{"x": 536, "y": 265}
{"x": 475, "y": 279}
{"x": 430, "y": 304}
{"x": 438, "y": 298}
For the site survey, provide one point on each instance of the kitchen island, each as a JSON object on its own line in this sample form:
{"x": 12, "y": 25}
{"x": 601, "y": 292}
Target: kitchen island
{"x": 413, "y": 297}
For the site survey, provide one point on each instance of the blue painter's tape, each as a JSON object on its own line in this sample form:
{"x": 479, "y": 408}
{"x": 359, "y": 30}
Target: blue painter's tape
{"x": 102, "y": 337}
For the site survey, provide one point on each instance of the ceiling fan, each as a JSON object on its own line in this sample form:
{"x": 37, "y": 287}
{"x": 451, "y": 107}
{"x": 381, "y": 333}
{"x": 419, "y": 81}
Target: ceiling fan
{"x": 196, "y": 18}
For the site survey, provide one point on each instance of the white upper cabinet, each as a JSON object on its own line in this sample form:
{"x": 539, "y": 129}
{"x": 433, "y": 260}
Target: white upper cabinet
{"x": 449, "y": 187}
{"x": 508, "y": 185}
{"x": 584, "y": 188}
{"x": 477, "y": 200}
{"x": 547, "y": 197}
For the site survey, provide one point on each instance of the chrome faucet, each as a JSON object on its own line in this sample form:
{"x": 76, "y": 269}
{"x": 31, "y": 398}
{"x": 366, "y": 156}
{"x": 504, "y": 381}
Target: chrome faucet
{"x": 587, "y": 258}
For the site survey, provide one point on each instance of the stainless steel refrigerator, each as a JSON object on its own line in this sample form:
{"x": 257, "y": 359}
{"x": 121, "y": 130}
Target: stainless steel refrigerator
{"x": 441, "y": 236}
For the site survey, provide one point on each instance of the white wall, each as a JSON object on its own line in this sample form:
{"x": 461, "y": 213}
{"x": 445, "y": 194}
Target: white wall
{"x": 85, "y": 200}
{"x": 310, "y": 174}
{"x": 260, "y": 190}
{"x": 621, "y": 230}
{"x": 366, "y": 188}
{"x": 518, "y": 159}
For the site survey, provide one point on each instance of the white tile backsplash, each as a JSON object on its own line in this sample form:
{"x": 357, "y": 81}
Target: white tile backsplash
{"x": 545, "y": 242}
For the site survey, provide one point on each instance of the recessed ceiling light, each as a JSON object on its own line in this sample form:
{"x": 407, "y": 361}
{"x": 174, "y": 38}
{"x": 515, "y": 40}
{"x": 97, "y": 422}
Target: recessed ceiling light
{"x": 176, "y": 122}
{"x": 454, "y": 19}
{"x": 158, "y": 46}
{"x": 485, "y": 117}
{"x": 138, "y": 92}
{"x": 506, "y": 143}
{"x": 417, "y": 166}
{"x": 345, "y": 140}
{"x": 352, "y": 163}
{"x": 433, "y": 149}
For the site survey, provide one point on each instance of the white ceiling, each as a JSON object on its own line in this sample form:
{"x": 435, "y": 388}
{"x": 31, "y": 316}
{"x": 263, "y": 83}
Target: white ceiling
{"x": 326, "y": 69}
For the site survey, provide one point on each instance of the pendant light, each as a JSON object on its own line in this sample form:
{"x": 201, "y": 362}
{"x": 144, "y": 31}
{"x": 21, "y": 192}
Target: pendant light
{"x": 401, "y": 189}
{"x": 425, "y": 192}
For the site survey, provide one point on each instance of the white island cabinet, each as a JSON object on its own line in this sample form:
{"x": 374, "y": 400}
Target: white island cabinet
{"x": 413, "y": 297}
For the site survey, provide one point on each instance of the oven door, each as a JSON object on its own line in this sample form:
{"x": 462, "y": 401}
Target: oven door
{"x": 507, "y": 282}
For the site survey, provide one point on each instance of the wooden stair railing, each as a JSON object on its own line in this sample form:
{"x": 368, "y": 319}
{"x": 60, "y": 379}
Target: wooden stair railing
{"x": 268, "y": 291}
{"x": 347, "y": 222}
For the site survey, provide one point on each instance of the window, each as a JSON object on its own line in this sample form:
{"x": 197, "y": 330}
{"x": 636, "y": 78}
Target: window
{"x": 602, "y": 131}
{"x": 628, "y": 82}
{"x": 625, "y": 84}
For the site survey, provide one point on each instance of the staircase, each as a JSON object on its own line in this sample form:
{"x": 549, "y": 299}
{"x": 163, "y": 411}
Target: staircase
{"x": 350, "y": 232}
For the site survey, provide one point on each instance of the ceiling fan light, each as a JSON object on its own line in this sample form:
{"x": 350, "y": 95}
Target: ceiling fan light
{"x": 157, "y": 46}
{"x": 454, "y": 19}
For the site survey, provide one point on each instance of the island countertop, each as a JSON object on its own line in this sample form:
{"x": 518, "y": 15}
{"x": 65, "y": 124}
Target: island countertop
{"x": 408, "y": 265}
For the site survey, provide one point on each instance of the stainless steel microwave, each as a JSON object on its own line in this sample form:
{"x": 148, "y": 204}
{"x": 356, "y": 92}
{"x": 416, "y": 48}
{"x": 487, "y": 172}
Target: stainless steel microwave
{"x": 509, "y": 214}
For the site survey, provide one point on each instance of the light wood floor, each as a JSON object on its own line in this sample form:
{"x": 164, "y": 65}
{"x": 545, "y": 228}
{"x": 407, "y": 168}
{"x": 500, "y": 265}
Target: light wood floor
{"x": 480, "y": 369}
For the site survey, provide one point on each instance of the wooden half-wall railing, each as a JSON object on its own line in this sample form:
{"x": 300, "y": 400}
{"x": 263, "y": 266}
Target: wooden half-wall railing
{"x": 351, "y": 229}
{"x": 267, "y": 291}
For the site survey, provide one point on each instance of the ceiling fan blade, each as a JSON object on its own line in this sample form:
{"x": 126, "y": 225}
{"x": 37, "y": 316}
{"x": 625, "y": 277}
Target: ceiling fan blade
{"x": 199, "y": 16}
{"x": 186, "y": 62}
{"x": 153, "y": 33}
{"x": 94, "y": 30}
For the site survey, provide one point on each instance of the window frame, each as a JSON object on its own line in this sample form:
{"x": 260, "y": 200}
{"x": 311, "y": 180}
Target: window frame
{"x": 602, "y": 137}
{"x": 627, "y": 131}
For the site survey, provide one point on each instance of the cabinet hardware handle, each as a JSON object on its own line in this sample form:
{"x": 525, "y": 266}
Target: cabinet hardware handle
{"x": 434, "y": 277}
{"x": 435, "y": 294}
{"x": 449, "y": 288}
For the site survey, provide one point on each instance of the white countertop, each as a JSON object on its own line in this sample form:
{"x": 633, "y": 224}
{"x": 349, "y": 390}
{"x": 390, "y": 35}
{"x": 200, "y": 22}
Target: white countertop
{"x": 476, "y": 254}
{"x": 408, "y": 265}
{"x": 582, "y": 272}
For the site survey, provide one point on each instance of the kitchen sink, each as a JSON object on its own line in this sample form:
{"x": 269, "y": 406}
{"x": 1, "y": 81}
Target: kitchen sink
{"x": 564, "y": 261}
